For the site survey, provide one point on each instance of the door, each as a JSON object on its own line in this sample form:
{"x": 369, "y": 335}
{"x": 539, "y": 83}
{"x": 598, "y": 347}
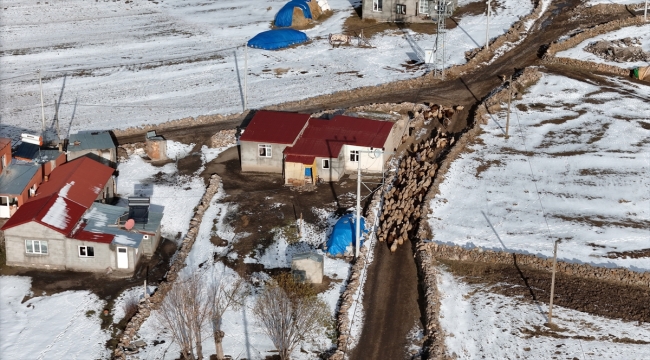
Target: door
{"x": 122, "y": 258}
{"x": 4, "y": 207}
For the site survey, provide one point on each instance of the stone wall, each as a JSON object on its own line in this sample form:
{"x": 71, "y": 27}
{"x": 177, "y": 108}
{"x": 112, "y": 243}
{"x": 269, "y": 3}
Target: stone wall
{"x": 550, "y": 58}
{"x": 153, "y": 302}
{"x": 617, "y": 275}
{"x": 434, "y": 344}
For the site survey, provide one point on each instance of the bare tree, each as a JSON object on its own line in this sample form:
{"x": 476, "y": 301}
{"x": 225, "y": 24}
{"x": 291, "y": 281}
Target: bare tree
{"x": 189, "y": 307}
{"x": 290, "y": 311}
{"x": 224, "y": 296}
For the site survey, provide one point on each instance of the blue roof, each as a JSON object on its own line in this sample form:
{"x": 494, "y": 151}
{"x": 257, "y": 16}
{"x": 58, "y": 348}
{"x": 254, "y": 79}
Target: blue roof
{"x": 90, "y": 141}
{"x": 277, "y": 39}
{"x": 102, "y": 218}
{"x": 16, "y": 177}
{"x": 284, "y": 17}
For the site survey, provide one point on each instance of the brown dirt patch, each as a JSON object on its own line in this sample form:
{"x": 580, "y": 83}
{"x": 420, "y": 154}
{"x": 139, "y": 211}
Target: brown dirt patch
{"x": 634, "y": 254}
{"x": 600, "y": 298}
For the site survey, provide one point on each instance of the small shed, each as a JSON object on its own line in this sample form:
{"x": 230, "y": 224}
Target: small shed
{"x": 308, "y": 267}
{"x": 155, "y": 146}
{"x": 98, "y": 144}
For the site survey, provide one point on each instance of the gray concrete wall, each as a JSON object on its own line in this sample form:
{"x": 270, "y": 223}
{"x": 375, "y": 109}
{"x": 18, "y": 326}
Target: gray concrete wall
{"x": 313, "y": 269}
{"x": 253, "y": 162}
{"x": 150, "y": 245}
{"x": 63, "y": 253}
{"x": 17, "y": 255}
{"x": 336, "y": 170}
{"x": 108, "y": 154}
{"x": 388, "y": 13}
{"x": 395, "y": 137}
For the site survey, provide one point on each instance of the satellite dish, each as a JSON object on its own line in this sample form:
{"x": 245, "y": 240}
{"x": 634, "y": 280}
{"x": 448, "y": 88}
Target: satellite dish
{"x": 129, "y": 224}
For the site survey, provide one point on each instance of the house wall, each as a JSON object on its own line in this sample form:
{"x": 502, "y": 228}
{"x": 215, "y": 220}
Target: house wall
{"x": 395, "y": 138}
{"x": 63, "y": 253}
{"x": 253, "y": 162}
{"x": 108, "y": 192}
{"x": 53, "y": 164}
{"x": 368, "y": 162}
{"x": 389, "y": 14}
{"x": 108, "y": 154}
{"x": 15, "y": 245}
{"x": 313, "y": 269}
{"x": 294, "y": 173}
{"x": 336, "y": 170}
{"x": 150, "y": 245}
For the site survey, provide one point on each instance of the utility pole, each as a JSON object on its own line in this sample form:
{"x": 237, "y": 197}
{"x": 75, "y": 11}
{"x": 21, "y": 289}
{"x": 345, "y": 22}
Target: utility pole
{"x": 56, "y": 117}
{"x": 358, "y": 222}
{"x": 509, "y": 101}
{"x": 245, "y": 76}
{"x": 40, "y": 84}
{"x": 487, "y": 30}
{"x": 550, "y": 306}
{"x": 645, "y": 12}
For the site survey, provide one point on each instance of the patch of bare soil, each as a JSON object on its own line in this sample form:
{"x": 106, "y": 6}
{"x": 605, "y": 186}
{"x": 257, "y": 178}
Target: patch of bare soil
{"x": 600, "y": 298}
{"x": 354, "y": 24}
{"x": 620, "y": 50}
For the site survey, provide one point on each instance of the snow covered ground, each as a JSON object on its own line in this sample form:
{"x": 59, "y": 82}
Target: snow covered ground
{"x": 641, "y": 32}
{"x": 60, "y": 326}
{"x": 578, "y": 154}
{"x": 622, "y": 2}
{"x": 117, "y": 64}
{"x": 244, "y": 335}
{"x": 479, "y": 324}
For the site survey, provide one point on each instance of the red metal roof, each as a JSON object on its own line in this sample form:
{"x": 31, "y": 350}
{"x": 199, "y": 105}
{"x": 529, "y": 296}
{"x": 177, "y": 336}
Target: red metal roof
{"x": 304, "y": 159}
{"x": 55, "y": 212}
{"x": 325, "y": 138}
{"x": 84, "y": 235}
{"x": 4, "y": 142}
{"x": 79, "y": 180}
{"x": 275, "y": 127}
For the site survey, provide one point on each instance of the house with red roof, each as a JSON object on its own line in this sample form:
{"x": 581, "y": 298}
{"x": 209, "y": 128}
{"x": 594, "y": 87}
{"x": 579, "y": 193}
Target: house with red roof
{"x": 66, "y": 225}
{"x": 329, "y": 148}
{"x": 263, "y": 142}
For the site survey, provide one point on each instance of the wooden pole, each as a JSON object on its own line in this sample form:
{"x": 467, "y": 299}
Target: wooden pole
{"x": 56, "y": 116}
{"x": 487, "y": 29}
{"x": 550, "y": 306}
{"x": 509, "y": 101}
{"x": 245, "y": 76}
{"x": 145, "y": 289}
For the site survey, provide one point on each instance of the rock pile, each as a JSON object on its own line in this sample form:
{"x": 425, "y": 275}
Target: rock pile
{"x": 402, "y": 203}
{"x": 619, "y": 50}
{"x": 147, "y": 305}
{"x": 223, "y": 138}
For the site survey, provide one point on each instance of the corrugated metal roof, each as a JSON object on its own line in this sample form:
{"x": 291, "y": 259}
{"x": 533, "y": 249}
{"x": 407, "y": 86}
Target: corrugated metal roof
{"x": 4, "y": 142}
{"x": 16, "y": 177}
{"x": 90, "y": 140}
{"x": 275, "y": 127}
{"x": 80, "y": 180}
{"x": 53, "y": 211}
{"x": 325, "y": 138}
{"x": 103, "y": 219}
{"x": 311, "y": 256}
{"x": 302, "y": 159}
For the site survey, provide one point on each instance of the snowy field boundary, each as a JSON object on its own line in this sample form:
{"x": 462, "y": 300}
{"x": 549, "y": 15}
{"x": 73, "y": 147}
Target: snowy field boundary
{"x": 153, "y": 302}
{"x": 550, "y": 58}
{"x": 435, "y": 343}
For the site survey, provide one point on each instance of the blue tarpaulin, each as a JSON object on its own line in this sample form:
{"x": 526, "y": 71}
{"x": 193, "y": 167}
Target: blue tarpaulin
{"x": 277, "y": 39}
{"x": 284, "y": 17}
{"x": 344, "y": 234}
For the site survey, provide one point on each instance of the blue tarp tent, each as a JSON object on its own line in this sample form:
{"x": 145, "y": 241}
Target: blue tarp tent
{"x": 277, "y": 39}
{"x": 284, "y": 17}
{"x": 344, "y": 234}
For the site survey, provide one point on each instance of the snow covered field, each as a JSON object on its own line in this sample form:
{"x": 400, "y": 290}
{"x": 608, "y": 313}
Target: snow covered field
{"x": 116, "y": 64}
{"x": 244, "y": 335}
{"x": 641, "y": 32}
{"x": 479, "y": 324}
{"x": 578, "y": 154}
{"x": 621, "y": 2}
{"x": 61, "y": 326}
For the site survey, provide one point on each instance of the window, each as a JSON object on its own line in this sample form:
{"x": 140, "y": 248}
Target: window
{"x": 376, "y": 5}
{"x": 400, "y": 9}
{"x": 36, "y": 247}
{"x": 423, "y": 7}
{"x": 326, "y": 164}
{"x": 86, "y": 251}
{"x": 354, "y": 155}
{"x": 264, "y": 150}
